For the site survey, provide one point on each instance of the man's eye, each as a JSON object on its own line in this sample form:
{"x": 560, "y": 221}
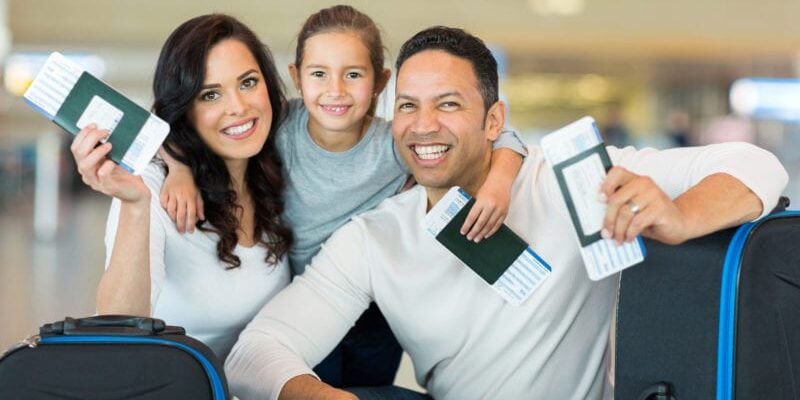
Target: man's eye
{"x": 449, "y": 105}
{"x": 405, "y": 106}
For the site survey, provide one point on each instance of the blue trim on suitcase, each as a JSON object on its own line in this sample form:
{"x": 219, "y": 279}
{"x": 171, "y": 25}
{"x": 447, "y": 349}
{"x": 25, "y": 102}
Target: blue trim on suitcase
{"x": 726, "y": 351}
{"x": 217, "y": 392}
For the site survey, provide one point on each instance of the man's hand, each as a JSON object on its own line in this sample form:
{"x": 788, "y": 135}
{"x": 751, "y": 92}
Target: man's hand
{"x": 636, "y": 205}
{"x": 307, "y": 387}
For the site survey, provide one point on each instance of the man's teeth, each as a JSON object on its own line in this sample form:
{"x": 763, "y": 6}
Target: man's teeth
{"x": 238, "y": 130}
{"x": 430, "y": 152}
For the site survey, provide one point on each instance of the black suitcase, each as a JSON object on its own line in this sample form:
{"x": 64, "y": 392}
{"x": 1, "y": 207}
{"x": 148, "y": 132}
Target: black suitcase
{"x": 111, "y": 357}
{"x": 717, "y": 317}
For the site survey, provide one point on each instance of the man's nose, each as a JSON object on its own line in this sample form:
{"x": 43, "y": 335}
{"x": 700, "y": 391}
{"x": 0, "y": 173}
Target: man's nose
{"x": 425, "y": 122}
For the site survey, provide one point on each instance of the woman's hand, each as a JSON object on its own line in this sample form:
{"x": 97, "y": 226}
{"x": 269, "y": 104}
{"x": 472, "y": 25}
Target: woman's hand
{"x": 102, "y": 174}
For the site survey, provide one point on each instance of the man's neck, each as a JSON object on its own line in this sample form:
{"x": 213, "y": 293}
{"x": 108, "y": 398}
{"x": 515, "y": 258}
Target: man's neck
{"x": 436, "y": 194}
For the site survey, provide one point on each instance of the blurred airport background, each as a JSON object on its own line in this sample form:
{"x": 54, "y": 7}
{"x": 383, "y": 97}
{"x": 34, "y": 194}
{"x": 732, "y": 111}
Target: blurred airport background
{"x": 651, "y": 73}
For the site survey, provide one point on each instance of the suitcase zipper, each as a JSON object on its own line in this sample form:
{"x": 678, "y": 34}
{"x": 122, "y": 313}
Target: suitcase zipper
{"x": 30, "y": 341}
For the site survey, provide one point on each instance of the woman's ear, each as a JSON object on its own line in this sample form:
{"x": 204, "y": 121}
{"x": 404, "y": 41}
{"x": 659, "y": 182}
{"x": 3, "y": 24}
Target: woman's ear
{"x": 495, "y": 120}
{"x": 295, "y": 77}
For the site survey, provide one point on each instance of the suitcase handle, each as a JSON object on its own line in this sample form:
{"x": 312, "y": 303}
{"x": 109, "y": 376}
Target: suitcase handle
{"x": 105, "y": 325}
{"x": 657, "y": 391}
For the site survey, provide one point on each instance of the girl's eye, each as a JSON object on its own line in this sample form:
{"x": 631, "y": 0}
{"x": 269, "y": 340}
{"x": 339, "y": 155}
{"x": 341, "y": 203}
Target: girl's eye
{"x": 209, "y": 96}
{"x": 249, "y": 83}
{"x": 317, "y": 74}
{"x": 353, "y": 75}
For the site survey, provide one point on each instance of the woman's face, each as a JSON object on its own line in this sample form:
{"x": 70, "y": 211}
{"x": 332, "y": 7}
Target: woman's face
{"x": 232, "y": 112}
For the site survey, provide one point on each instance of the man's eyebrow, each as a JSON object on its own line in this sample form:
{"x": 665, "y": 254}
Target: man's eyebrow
{"x": 404, "y": 97}
{"x": 449, "y": 94}
{"x": 438, "y": 97}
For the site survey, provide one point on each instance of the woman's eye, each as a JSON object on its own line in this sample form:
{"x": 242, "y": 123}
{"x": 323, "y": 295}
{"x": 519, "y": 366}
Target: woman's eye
{"x": 209, "y": 96}
{"x": 249, "y": 83}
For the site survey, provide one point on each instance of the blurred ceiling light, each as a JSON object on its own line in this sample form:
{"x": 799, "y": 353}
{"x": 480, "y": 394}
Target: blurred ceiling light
{"x": 21, "y": 68}
{"x": 563, "y": 8}
{"x": 767, "y": 98}
{"x": 592, "y": 87}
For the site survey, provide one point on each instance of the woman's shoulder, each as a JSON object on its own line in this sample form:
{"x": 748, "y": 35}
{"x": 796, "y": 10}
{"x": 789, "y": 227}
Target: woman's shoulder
{"x": 154, "y": 175}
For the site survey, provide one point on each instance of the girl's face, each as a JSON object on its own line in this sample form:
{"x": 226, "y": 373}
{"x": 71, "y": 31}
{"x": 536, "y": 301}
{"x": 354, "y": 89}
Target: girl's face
{"x": 337, "y": 82}
{"x": 232, "y": 112}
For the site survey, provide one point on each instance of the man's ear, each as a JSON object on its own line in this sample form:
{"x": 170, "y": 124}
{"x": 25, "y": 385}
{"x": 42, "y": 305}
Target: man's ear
{"x": 381, "y": 80}
{"x": 295, "y": 77}
{"x": 495, "y": 120}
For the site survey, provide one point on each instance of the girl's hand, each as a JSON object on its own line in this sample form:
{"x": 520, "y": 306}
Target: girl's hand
{"x": 102, "y": 174}
{"x": 181, "y": 199}
{"x": 488, "y": 212}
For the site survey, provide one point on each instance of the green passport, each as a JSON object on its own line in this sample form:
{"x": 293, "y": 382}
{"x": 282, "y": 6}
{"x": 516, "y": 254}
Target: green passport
{"x": 73, "y": 98}
{"x": 504, "y": 260}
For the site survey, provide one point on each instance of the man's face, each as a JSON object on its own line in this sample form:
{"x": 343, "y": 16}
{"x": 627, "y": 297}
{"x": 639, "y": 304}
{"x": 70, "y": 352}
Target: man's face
{"x": 439, "y": 122}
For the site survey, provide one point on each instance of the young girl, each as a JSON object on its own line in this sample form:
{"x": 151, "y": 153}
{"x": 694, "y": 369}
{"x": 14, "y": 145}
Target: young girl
{"x": 217, "y": 87}
{"x": 340, "y": 160}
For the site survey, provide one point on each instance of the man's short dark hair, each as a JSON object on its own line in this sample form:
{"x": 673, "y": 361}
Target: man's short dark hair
{"x": 460, "y": 44}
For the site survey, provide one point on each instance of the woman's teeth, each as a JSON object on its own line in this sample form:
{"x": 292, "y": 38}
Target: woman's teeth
{"x": 238, "y": 130}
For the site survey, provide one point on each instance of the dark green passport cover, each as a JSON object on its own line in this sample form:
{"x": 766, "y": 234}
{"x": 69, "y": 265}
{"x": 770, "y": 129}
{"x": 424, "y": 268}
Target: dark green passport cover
{"x": 75, "y": 104}
{"x": 490, "y": 257}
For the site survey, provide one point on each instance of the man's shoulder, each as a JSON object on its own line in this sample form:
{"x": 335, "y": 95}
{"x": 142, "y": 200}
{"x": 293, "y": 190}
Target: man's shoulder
{"x": 398, "y": 207}
{"x": 533, "y": 163}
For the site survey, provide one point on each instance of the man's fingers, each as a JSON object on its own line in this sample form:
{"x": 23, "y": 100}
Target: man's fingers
{"x": 641, "y": 220}
{"x": 616, "y": 178}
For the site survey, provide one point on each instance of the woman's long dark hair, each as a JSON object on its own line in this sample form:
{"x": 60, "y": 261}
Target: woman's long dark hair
{"x": 178, "y": 78}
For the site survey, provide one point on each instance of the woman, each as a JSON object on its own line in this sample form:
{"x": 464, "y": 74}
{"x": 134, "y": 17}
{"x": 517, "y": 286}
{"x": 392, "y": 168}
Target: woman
{"x": 217, "y": 87}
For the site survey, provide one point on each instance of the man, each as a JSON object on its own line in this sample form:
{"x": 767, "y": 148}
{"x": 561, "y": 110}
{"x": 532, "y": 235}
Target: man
{"x": 465, "y": 340}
